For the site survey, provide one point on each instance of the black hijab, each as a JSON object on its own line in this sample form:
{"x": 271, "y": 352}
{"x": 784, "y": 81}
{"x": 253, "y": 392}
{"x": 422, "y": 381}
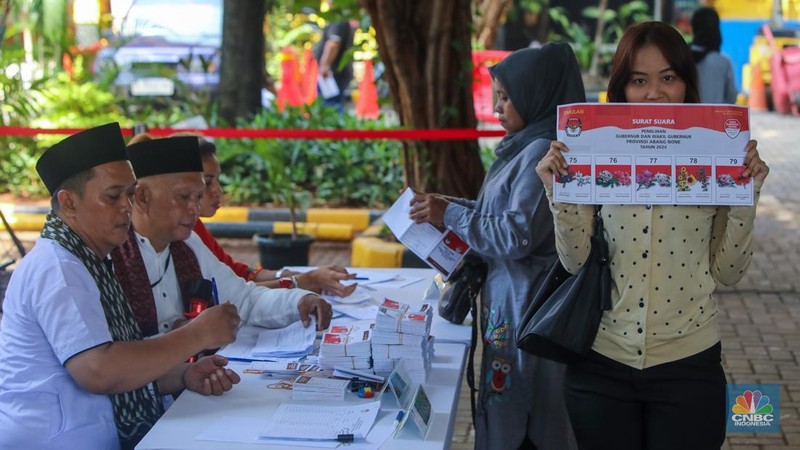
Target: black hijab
{"x": 537, "y": 80}
{"x": 707, "y": 36}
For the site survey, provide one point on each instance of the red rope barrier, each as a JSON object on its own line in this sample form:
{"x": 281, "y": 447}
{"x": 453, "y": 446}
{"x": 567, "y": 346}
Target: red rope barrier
{"x": 449, "y": 134}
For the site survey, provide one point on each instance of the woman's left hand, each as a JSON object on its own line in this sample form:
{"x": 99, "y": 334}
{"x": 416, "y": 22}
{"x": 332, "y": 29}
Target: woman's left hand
{"x": 428, "y": 208}
{"x": 754, "y": 166}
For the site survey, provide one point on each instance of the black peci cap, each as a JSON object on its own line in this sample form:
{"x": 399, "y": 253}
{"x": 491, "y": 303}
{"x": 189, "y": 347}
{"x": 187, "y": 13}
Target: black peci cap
{"x": 80, "y": 152}
{"x": 166, "y": 155}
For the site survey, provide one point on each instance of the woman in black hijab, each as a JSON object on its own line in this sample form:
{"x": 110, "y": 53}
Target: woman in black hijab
{"x": 521, "y": 403}
{"x": 714, "y": 69}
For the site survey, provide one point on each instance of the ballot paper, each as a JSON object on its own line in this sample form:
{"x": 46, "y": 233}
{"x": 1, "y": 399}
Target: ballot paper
{"x": 402, "y": 332}
{"x": 673, "y": 154}
{"x": 318, "y": 386}
{"x": 395, "y": 338}
{"x": 348, "y": 373}
{"x": 246, "y": 430}
{"x": 367, "y": 276}
{"x": 295, "y": 340}
{"x": 397, "y": 282}
{"x": 280, "y": 367}
{"x": 347, "y": 346}
{"x": 360, "y": 311}
{"x": 346, "y": 340}
{"x": 398, "y": 317}
{"x": 316, "y": 422}
{"x": 379, "y": 279}
{"x": 439, "y": 247}
{"x": 360, "y": 295}
{"x": 242, "y": 348}
{"x": 327, "y": 86}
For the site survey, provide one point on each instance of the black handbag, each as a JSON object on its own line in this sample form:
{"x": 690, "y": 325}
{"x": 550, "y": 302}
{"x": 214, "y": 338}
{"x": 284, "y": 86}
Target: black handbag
{"x": 562, "y": 318}
{"x": 461, "y": 290}
{"x": 458, "y": 297}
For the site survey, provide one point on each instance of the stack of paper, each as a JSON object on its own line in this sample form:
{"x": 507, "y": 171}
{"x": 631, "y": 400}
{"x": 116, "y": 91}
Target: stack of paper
{"x": 402, "y": 332}
{"x": 389, "y": 313}
{"x": 346, "y": 346}
{"x": 362, "y": 375}
{"x": 294, "y": 341}
{"x": 315, "y": 386}
{"x": 395, "y": 338}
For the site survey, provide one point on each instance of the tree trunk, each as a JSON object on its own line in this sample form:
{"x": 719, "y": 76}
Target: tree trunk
{"x": 594, "y": 69}
{"x": 425, "y": 46}
{"x": 487, "y": 15}
{"x": 242, "y": 67}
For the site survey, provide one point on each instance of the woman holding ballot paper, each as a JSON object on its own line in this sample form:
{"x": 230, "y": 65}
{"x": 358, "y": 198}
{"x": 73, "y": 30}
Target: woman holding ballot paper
{"x": 654, "y": 379}
{"x": 510, "y": 227}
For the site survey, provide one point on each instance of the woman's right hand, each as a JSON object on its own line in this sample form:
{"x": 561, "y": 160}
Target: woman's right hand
{"x": 553, "y": 163}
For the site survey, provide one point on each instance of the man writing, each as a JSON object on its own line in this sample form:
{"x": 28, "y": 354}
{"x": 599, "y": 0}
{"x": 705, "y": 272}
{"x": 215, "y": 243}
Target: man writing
{"x": 162, "y": 257}
{"x": 75, "y": 370}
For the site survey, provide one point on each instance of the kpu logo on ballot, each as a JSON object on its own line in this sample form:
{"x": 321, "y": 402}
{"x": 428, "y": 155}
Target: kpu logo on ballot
{"x": 733, "y": 127}
{"x": 753, "y": 408}
{"x": 574, "y": 127}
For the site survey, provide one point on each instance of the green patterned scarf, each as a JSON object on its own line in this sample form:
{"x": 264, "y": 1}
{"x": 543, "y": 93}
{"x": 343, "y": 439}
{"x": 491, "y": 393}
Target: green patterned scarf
{"x": 135, "y": 412}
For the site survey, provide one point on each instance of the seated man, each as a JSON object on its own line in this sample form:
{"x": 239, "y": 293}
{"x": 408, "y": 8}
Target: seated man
{"x": 162, "y": 257}
{"x": 327, "y": 278}
{"x": 75, "y": 371}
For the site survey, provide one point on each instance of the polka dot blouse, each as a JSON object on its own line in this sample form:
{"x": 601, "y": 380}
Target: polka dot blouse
{"x": 665, "y": 263}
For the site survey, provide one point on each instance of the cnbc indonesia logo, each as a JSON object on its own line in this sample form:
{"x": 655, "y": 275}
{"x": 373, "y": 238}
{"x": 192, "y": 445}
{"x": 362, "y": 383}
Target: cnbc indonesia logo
{"x": 753, "y": 410}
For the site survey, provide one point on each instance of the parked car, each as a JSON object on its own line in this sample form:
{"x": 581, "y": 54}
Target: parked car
{"x": 160, "y": 47}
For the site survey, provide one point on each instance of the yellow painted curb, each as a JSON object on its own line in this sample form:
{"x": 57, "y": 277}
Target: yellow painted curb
{"x": 358, "y": 218}
{"x": 374, "y": 252}
{"x": 322, "y": 231}
{"x": 229, "y": 214}
{"x": 373, "y": 230}
{"x": 24, "y": 221}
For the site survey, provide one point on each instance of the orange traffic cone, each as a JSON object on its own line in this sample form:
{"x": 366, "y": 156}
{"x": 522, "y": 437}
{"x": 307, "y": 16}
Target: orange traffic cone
{"x": 758, "y": 96}
{"x": 367, "y": 103}
{"x": 289, "y": 93}
{"x": 309, "y": 77}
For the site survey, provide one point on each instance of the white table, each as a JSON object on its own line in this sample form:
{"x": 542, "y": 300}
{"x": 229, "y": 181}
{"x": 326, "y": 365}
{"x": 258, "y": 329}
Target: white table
{"x": 250, "y": 400}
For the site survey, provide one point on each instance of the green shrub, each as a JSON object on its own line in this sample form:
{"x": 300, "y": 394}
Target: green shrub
{"x": 18, "y": 106}
{"x": 59, "y": 102}
{"x": 333, "y": 172}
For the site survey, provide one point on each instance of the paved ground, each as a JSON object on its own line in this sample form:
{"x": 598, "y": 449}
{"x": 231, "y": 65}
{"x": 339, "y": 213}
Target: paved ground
{"x": 760, "y": 317}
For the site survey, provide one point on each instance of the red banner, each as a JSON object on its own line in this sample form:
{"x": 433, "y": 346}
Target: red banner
{"x": 449, "y": 134}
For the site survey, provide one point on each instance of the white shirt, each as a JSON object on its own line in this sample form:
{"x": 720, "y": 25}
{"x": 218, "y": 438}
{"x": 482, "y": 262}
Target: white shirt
{"x": 270, "y": 308}
{"x": 52, "y": 312}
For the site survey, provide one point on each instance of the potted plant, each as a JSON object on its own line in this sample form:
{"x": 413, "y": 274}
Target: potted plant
{"x": 278, "y": 250}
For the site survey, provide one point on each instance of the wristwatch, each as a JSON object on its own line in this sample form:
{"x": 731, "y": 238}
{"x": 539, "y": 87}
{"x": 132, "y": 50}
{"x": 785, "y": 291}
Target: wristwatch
{"x": 279, "y": 272}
